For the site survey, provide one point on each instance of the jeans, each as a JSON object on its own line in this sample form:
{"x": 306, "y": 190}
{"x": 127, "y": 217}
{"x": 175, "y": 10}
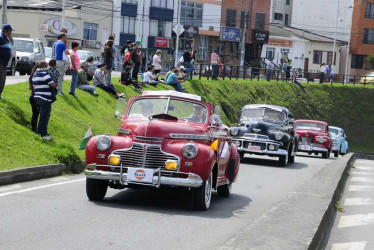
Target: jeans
{"x": 152, "y": 83}
{"x": 176, "y": 85}
{"x": 61, "y": 67}
{"x": 109, "y": 77}
{"x": 135, "y": 71}
{"x": 44, "y": 108}
{"x": 2, "y": 77}
{"x": 74, "y": 81}
{"x": 108, "y": 88}
{"x": 215, "y": 72}
{"x": 189, "y": 68}
{"x": 269, "y": 72}
{"x": 331, "y": 77}
{"x": 89, "y": 88}
{"x": 35, "y": 114}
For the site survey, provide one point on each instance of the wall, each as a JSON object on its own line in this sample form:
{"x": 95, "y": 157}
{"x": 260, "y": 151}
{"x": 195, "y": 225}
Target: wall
{"x": 322, "y": 46}
{"x": 279, "y": 6}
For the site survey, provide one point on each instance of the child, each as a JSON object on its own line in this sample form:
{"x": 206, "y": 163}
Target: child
{"x": 127, "y": 80}
{"x": 53, "y": 72}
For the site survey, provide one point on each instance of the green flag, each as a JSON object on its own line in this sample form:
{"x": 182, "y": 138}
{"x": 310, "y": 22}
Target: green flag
{"x": 86, "y": 138}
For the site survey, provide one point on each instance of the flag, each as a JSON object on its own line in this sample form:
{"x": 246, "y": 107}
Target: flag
{"x": 86, "y": 138}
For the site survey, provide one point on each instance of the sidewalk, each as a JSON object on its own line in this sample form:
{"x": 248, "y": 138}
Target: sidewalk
{"x": 353, "y": 229}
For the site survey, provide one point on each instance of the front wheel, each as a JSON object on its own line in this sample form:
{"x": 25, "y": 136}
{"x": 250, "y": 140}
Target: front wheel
{"x": 283, "y": 159}
{"x": 336, "y": 154}
{"x": 203, "y": 195}
{"x": 291, "y": 157}
{"x": 325, "y": 155}
{"x": 224, "y": 190}
{"x": 96, "y": 189}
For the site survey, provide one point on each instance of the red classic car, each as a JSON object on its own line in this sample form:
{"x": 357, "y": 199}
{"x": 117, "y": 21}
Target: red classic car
{"x": 314, "y": 137}
{"x": 166, "y": 138}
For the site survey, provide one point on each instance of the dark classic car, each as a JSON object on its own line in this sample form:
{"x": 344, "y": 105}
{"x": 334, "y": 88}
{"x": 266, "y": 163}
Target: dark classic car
{"x": 166, "y": 139}
{"x": 266, "y": 130}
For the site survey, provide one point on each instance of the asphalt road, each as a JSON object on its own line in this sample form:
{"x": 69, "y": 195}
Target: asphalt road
{"x": 56, "y": 214}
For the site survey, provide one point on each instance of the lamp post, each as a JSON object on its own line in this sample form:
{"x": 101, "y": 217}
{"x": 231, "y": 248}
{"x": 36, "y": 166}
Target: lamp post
{"x": 336, "y": 30}
{"x": 178, "y": 31}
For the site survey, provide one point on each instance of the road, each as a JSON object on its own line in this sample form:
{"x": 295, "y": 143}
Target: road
{"x": 55, "y": 213}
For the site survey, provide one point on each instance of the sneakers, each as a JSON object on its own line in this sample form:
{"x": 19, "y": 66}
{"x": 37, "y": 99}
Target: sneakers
{"x": 73, "y": 95}
{"x": 47, "y": 137}
{"x": 95, "y": 94}
{"x": 138, "y": 90}
{"x": 61, "y": 94}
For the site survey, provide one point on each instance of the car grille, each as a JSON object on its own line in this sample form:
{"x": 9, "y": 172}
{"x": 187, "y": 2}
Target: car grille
{"x": 150, "y": 157}
{"x": 247, "y": 144}
{"x": 306, "y": 139}
{"x": 256, "y": 136}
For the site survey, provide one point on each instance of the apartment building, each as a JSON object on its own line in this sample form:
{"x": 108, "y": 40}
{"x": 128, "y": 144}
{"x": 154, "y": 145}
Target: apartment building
{"x": 281, "y": 12}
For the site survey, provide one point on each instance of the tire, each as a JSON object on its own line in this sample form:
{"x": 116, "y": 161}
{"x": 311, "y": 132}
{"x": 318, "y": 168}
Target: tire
{"x": 22, "y": 73}
{"x": 203, "y": 195}
{"x": 12, "y": 71}
{"x": 241, "y": 154}
{"x": 96, "y": 189}
{"x": 291, "y": 158}
{"x": 316, "y": 154}
{"x": 283, "y": 160}
{"x": 224, "y": 190}
{"x": 325, "y": 155}
{"x": 336, "y": 154}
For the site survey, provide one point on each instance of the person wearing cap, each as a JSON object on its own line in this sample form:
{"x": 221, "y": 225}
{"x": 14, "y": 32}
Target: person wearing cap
{"x": 5, "y": 53}
{"x": 83, "y": 83}
{"x": 174, "y": 81}
{"x": 156, "y": 62}
{"x": 214, "y": 61}
{"x": 187, "y": 57}
{"x": 199, "y": 114}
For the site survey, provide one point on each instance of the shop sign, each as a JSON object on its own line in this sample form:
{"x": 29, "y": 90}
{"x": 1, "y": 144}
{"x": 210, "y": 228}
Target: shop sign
{"x": 54, "y": 26}
{"x": 280, "y": 43}
{"x": 231, "y": 34}
{"x": 190, "y": 31}
{"x": 161, "y": 42}
{"x": 260, "y": 36}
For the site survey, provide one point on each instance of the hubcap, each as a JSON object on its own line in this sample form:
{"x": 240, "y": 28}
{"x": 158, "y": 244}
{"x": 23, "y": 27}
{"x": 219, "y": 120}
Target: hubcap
{"x": 208, "y": 191}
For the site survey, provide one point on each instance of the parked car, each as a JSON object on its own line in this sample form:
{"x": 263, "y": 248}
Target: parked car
{"x": 12, "y": 64}
{"x": 339, "y": 141}
{"x": 48, "y": 54}
{"x": 29, "y": 51}
{"x": 266, "y": 130}
{"x": 368, "y": 79}
{"x": 314, "y": 137}
{"x": 166, "y": 139}
{"x": 83, "y": 56}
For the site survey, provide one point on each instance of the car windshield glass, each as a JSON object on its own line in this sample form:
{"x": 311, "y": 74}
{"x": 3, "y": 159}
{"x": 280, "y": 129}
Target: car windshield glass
{"x": 183, "y": 110}
{"x": 24, "y": 46}
{"x": 263, "y": 114}
{"x": 310, "y": 126}
{"x": 334, "y": 131}
{"x": 370, "y": 74}
{"x": 82, "y": 55}
{"x": 48, "y": 52}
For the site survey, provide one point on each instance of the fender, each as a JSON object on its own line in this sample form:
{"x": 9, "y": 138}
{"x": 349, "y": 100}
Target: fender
{"x": 234, "y": 163}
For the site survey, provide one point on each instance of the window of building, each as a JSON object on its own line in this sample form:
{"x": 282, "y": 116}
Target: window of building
{"x": 203, "y": 48}
{"x": 128, "y": 25}
{"x": 234, "y": 49}
{"x": 369, "y": 10}
{"x": 285, "y": 51}
{"x": 242, "y": 19}
{"x": 192, "y": 14}
{"x": 357, "y": 62}
{"x": 185, "y": 43}
{"x": 278, "y": 16}
{"x": 260, "y": 21}
{"x": 287, "y": 2}
{"x": 270, "y": 52}
{"x": 158, "y": 28}
{"x": 368, "y": 36}
{"x": 317, "y": 57}
{"x": 130, "y": 1}
{"x": 286, "y": 19}
{"x": 231, "y": 18}
{"x": 169, "y": 4}
{"x": 329, "y": 58}
{"x": 90, "y": 31}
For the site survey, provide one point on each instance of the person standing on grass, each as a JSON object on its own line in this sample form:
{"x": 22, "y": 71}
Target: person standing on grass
{"x": 63, "y": 30}
{"x": 157, "y": 63}
{"x": 108, "y": 59}
{"x": 269, "y": 69}
{"x": 322, "y": 73}
{"x": 34, "y": 107}
{"x": 137, "y": 59}
{"x": 127, "y": 62}
{"x": 329, "y": 73}
{"x": 214, "y": 61}
{"x": 187, "y": 57}
{"x": 43, "y": 84}
{"x": 174, "y": 81}
{"x": 5, "y": 53}
{"x": 62, "y": 53}
{"x": 75, "y": 65}
{"x": 83, "y": 83}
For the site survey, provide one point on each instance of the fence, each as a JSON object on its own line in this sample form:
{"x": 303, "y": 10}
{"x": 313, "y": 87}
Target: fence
{"x": 246, "y": 72}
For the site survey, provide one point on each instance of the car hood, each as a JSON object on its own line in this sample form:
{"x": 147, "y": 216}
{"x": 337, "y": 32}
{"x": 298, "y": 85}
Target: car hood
{"x": 19, "y": 53}
{"x": 262, "y": 128}
{"x": 159, "y": 128}
{"x": 310, "y": 133}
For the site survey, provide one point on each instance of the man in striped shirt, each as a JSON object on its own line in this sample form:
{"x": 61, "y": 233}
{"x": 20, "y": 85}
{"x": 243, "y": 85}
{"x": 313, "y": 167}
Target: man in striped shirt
{"x": 43, "y": 85}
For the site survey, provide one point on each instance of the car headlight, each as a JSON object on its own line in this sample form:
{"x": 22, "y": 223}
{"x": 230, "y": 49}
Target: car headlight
{"x": 234, "y": 131}
{"x": 189, "y": 151}
{"x": 278, "y": 136}
{"x": 25, "y": 59}
{"x": 103, "y": 143}
{"x": 321, "y": 140}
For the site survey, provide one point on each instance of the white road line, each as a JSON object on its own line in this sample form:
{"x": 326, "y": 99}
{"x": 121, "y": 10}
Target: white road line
{"x": 360, "y": 245}
{"x": 354, "y": 188}
{"x": 364, "y": 162}
{"x": 60, "y": 178}
{"x": 364, "y": 168}
{"x": 356, "y": 220}
{"x": 362, "y": 179}
{"x": 40, "y": 187}
{"x": 362, "y": 173}
{"x": 10, "y": 187}
{"x": 358, "y": 201}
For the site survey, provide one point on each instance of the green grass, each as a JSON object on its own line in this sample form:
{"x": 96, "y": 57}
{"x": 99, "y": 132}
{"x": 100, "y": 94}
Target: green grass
{"x": 350, "y": 107}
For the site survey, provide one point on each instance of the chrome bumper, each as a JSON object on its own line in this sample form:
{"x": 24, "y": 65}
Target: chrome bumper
{"x": 192, "y": 181}
{"x": 278, "y": 152}
{"x": 313, "y": 149}
{"x": 336, "y": 147}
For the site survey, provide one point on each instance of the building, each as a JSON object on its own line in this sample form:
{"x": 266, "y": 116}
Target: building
{"x": 89, "y": 25}
{"x": 281, "y": 12}
{"x": 306, "y": 51}
{"x": 232, "y": 26}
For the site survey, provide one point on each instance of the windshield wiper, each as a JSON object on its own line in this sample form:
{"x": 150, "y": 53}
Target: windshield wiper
{"x": 164, "y": 116}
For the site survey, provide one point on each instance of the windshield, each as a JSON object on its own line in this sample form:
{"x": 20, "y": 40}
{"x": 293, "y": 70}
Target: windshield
{"x": 48, "y": 52}
{"x": 334, "y": 131}
{"x": 82, "y": 55}
{"x": 182, "y": 110}
{"x": 310, "y": 126}
{"x": 263, "y": 114}
{"x": 24, "y": 46}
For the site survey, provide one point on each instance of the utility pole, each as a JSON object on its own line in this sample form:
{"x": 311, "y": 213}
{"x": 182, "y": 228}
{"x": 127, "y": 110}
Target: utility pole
{"x": 5, "y": 8}
{"x": 178, "y": 31}
{"x": 63, "y": 14}
{"x": 336, "y": 30}
{"x": 244, "y": 35}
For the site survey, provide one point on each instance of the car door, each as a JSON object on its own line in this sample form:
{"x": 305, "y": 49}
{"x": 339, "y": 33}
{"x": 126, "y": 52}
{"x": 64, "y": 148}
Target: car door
{"x": 42, "y": 51}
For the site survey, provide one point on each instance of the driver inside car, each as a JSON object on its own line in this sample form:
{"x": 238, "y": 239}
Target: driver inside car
{"x": 147, "y": 108}
{"x": 198, "y": 115}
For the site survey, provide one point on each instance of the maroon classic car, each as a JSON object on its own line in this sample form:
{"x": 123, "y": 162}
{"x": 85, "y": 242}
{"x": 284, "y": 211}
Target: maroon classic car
{"x": 166, "y": 139}
{"x": 314, "y": 137}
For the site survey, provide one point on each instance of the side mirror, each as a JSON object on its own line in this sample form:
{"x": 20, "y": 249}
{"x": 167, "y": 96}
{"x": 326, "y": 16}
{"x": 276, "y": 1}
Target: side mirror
{"x": 215, "y": 120}
{"x": 121, "y": 107}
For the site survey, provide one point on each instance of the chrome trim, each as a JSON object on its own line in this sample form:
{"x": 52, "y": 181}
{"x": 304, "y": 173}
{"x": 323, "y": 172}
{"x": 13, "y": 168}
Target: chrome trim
{"x": 190, "y": 137}
{"x": 110, "y": 143}
{"x": 265, "y": 152}
{"x": 256, "y": 136}
{"x": 313, "y": 149}
{"x": 257, "y": 140}
{"x": 143, "y": 138}
{"x": 124, "y": 131}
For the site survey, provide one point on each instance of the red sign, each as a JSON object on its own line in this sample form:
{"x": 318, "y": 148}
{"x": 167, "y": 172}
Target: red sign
{"x": 161, "y": 42}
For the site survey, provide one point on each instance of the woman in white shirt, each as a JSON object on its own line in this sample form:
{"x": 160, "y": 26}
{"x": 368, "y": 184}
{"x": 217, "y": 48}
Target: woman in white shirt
{"x": 157, "y": 62}
{"x": 322, "y": 74}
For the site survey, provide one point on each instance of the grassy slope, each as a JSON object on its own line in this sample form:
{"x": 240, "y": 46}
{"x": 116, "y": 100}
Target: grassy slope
{"x": 346, "y": 106}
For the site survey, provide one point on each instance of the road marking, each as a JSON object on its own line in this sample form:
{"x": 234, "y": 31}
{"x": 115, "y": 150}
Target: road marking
{"x": 364, "y": 168}
{"x": 10, "y": 187}
{"x": 362, "y": 173}
{"x": 358, "y": 201}
{"x": 359, "y": 245}
{"x": 60, "y": 178}
{"x": 356, "y": 220}
{"x": 365, "y": 162}
{"x": 360, "y": 188}
{"x": 362, "y": 179}
{"x": 40, "y": 187}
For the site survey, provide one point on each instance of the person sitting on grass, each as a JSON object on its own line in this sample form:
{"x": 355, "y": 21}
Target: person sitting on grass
{"x": 83, "y": 83}
{"x": 149, "y": 76}
{"x": 182, "y": 73}
{"x": 174, "y": 81}
{"x": 126, "y": 79}
{"x": 91, "y": 70}
{"x": 171, "y": 71}
{"x": 100, "y": 80}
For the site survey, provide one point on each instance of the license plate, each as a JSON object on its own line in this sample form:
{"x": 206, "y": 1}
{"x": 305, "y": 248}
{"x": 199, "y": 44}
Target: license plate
{"x": 254, "y": 148}
{"x": 140, "y": 175}
{"x": 306, "y": 147}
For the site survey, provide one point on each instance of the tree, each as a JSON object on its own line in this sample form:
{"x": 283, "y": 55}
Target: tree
{"x": 371, "y": 61}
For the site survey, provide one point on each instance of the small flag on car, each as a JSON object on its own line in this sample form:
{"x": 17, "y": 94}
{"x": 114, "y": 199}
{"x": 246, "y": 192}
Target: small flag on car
{"x": 86, "y": 138}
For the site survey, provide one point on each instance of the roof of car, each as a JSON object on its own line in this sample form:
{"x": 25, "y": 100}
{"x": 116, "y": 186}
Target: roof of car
{"x": 25, "y": 39}
{"x": 335, "y": 128}
{"x": 172, "y": 93}
{"x": 312, "y": 121}
{"x": 251, "y": 106}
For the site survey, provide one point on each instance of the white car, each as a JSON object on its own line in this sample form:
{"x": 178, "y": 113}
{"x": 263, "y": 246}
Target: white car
{"x": 48, "y": 54}
{"x": 29, "y": 51}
